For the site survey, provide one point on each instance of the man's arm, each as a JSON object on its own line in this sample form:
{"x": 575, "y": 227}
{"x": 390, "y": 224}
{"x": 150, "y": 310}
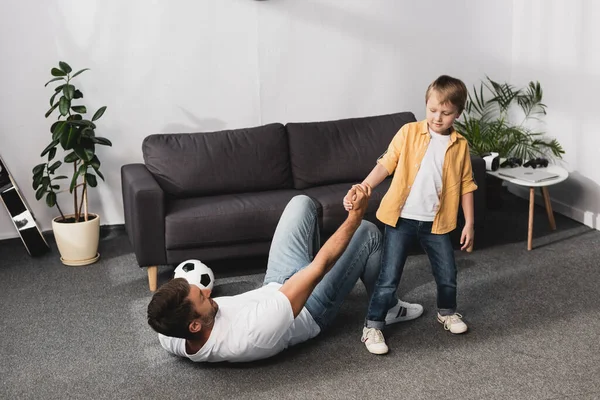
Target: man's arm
{"x": 300, "y": 285}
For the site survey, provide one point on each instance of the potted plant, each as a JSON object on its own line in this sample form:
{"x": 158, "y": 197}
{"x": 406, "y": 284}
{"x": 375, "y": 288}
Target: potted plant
{"x": 76, "y": 234}
{"x": 487, "y": 125}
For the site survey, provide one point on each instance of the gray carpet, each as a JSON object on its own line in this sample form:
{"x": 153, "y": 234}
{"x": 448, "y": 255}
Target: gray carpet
{"x": 534, "y": 318}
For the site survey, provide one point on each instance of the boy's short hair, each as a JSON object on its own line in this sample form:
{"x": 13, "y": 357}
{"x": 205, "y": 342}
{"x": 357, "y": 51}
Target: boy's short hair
{"x": 450, "y": 90}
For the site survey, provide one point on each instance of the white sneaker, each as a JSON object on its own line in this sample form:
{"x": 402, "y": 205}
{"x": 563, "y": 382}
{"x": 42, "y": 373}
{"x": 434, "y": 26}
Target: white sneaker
{"x": 402, "y": 312}
{"x": 374, "y": 340}
{"x": 452, "y": 323}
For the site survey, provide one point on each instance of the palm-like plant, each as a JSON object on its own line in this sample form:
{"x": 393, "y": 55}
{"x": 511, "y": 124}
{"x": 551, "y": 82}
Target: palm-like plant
{"x": 486, "y": 125}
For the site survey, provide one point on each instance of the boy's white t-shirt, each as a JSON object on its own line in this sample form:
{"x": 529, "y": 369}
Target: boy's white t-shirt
{"x": 423, "y": 201}
{"x": 250, "y": 326}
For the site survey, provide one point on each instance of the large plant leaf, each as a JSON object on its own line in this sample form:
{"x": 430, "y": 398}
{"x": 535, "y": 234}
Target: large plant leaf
{"x": 98, "y": 113}
{"x": 37, "y": 181}
{"x": 52, "y": 144}
{"x": 59, "y": 129}
{"x": 51, "y": 199}
{"x": 69, "y": 91}
{"x": 79, "y": 109}
{"x": 54, "y": 166}
{"x": 52, "y": 154}
{"x": 91, "y": 180}
{"x": 73, "y": 181}
{"x": 71, "y": 157}
{"x": 54, "y": 80}
{"x": 38, "y": 168}
{"x": 76, "y": 117}
{"x": 39, "y": 193}
{"x": 64, "y": 104}
{"x": 64, "y": 67}
{"x": 50, "y": 110}
{"x": 79, "y": 72}
{"x": 100, "y": 174}
{"x": 57, "y": 72}
{"x": 102, "y": 141}
{"x": 85, "y": 154}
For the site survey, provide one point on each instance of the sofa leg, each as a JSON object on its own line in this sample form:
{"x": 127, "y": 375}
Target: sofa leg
{"x": 152, "y": 277}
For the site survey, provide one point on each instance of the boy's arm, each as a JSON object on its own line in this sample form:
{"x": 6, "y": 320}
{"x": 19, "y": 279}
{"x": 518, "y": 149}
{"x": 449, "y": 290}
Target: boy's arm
{"x": 386, "y": 165}
{"x": 300, "y": 285}
{"x": 468, "y": 233}
{"x": 376, "y": 176}
{"x": 468, "y": 185}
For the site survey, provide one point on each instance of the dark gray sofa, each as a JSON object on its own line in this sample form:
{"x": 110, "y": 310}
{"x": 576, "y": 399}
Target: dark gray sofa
{"x": 219, "y": 195}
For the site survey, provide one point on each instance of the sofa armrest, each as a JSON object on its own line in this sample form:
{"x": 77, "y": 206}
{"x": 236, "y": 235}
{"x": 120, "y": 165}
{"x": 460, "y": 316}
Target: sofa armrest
{"x": 144, "y": 209}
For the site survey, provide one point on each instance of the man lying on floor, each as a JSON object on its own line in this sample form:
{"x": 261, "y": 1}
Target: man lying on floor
{"x": 301, "y": 296}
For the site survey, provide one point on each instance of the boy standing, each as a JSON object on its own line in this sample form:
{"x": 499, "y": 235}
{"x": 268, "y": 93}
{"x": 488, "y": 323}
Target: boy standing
{"x": 432, "y": 175}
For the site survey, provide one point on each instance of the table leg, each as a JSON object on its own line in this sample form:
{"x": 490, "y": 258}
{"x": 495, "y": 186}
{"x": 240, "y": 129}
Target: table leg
{"x": 530, "y": 228}
{"x": 548, "y": 207}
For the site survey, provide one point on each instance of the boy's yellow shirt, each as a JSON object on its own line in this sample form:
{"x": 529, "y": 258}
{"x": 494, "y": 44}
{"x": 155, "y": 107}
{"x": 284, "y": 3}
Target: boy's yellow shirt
{"x": 403, "y": 158}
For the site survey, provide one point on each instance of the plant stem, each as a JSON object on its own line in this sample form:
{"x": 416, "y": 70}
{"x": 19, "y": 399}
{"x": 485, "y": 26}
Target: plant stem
{"x": 83, "y": 197}
{"x": 75, "y": 193}
{"x": 60, "y": 211}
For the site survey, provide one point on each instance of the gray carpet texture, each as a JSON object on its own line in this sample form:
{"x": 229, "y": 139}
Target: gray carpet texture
{"x": 533, "y": 316}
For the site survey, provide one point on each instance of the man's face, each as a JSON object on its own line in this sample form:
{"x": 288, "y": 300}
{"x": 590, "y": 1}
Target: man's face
{"x": 440, "y": 117}
{"x": 203, "y": 305}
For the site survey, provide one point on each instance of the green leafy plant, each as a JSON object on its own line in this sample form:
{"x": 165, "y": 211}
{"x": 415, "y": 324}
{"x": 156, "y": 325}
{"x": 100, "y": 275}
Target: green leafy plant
{"x": 76, "y": 136}
{"x": 486, "y": 125}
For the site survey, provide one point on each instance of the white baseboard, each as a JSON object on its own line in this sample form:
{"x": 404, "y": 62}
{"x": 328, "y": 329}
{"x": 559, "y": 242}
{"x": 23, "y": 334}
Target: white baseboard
{"x": 587, "y": 218}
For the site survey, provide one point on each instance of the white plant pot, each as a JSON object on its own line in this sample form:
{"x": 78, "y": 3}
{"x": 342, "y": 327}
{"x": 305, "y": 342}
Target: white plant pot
{"x": 77, "y": 242}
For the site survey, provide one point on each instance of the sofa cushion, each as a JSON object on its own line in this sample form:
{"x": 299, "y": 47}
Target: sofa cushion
{"x": 340, "y": 151}
{"x": 330, "y": 198}
{"x": 233, "y": 161}
{"x": 225, "y": 219}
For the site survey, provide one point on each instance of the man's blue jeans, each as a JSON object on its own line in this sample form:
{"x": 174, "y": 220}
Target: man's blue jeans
{"x": 296, "y": 242}
{"x": 396, "y": 244}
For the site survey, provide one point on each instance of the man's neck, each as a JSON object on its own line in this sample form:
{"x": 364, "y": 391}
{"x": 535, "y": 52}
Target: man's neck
{"x": 192, "y": 346}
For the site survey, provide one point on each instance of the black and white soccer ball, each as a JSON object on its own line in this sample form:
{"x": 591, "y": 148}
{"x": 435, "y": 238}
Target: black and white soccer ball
{"x": 196, "y": 273}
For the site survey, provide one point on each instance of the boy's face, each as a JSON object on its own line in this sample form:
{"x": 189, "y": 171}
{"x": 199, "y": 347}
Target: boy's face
{"x": 440, "y": 117}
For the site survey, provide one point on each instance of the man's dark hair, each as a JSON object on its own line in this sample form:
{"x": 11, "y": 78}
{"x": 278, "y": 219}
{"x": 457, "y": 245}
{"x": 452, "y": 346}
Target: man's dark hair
{"x": 170, "y": 311}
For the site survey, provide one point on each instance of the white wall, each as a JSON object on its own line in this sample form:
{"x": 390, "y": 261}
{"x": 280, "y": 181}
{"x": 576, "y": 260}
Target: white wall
{"x": 185, "y": 66}
{"x": 556, "y": 42}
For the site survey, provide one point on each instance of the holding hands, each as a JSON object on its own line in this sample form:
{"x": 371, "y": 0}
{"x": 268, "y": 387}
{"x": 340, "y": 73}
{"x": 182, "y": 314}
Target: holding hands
{"x": 357, "y": 198}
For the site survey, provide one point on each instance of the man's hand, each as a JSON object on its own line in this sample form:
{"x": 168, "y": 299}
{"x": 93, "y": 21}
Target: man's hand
{"x": 466, "y": 238}
{"x": 358, "y": 197}
{"x": 351, "y": 195}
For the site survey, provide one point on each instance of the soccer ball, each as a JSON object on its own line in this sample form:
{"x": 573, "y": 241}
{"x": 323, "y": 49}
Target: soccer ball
{"x": 196, "y": 273}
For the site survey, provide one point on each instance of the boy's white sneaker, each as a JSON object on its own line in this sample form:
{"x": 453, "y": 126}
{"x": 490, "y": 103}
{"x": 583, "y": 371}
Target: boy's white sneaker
{"x": 452, "y": 323}
{"x": 374, "y": 340}
{"x": 402, "y": 312}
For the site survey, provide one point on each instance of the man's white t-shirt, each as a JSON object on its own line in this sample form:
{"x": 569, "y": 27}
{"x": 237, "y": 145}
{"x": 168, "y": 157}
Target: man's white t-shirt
{"x": 423, "y": 201}
{"x": 250, "y": 326}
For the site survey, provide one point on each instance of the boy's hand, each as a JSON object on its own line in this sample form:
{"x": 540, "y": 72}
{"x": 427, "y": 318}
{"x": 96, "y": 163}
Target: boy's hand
{"x": 348, "y": 198}
{"x": 359, "y": 199}
{"x": 466, "y": 238}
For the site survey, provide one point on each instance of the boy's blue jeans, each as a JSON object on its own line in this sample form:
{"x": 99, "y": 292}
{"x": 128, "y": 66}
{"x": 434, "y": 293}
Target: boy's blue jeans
{"x": 296, "y": 242}
{"x": 396, "y": 244}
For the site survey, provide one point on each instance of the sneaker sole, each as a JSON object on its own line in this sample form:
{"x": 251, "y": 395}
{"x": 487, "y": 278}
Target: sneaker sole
{"x": 378, "y": 352}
